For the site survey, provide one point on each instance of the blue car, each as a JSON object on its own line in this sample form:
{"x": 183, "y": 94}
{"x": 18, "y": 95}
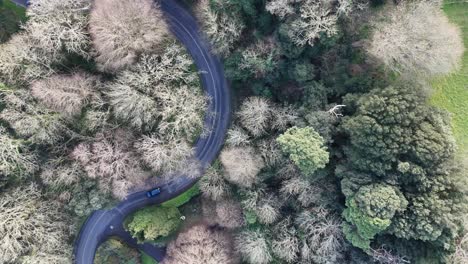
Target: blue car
{"x": 153, "y": 193}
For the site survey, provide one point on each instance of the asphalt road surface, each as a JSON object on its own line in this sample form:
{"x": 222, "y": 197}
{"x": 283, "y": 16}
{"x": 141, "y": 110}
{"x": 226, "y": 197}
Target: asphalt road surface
{"x": 103, "y": 224}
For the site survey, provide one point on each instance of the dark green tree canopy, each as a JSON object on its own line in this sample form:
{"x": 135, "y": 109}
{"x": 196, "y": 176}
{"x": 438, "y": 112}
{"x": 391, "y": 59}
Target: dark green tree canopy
{"x": 395, "y": 125}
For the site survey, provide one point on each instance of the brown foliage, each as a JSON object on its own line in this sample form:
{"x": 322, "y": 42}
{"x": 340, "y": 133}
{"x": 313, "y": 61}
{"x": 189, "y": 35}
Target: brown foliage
{"x": 416, "y": 37}
{"x": 111, "y": 160}
{"x": 200, "y": 245}
{"x": 242, "y": 165}
{"x": 64, "y": 93}
{"x": 122, "y": 30}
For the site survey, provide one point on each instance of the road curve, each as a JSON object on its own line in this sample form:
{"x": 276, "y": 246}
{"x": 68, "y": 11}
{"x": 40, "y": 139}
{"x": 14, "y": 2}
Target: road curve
{"x": 103, "y": 224}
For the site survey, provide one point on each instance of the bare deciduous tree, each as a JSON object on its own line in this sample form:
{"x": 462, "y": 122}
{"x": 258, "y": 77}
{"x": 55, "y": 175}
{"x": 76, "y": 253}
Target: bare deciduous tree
{"x": 311, "y": 18}
{"x": 323, "y": 235}
{"x": 64, "y": 93}
{"x": 267, "y": 209}
{"x": 270, "y": 152}
{"x": 200, "y": 245}
{"x": 160, "y": 90}
{"x": 255, "y": 115}
{"x": 221, "y": 28}
{"x": 15, "y": 159}
{"x": 111, "y": 160}
{"x": 57, "y": 173}
{"x": 33, "y": 228}
{"x": 163, "y": 156}
{"x": 236, "y": 136}
{"x": 122, "y": 30}
{"x": 265, "y": 206}
{"x": 460, "y": 256}
{"x": 416, "y": 37}
{"x": 229, "y": 214}
{"x": 213, "y": 185}
{"x": 23, "y": 60}
{"x": 384, "y": 256}
{"x": 31, "y": 121}
{"x": 59, "y": 25}
{"x": 241, "y": 165}
{"x": 253, "y": 247}
{"x": 286, "y": 244}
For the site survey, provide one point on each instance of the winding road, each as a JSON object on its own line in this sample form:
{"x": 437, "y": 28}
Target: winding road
{"x": 103, "y": 224}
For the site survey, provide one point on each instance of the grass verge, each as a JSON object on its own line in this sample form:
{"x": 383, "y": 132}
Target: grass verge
{"x": 451, "y": 91}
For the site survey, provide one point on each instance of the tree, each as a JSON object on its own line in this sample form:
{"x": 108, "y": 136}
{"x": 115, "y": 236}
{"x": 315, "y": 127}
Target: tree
{"x": 416, "y": 37}
{"x": 253, "y": 247}
{"x": 260, "y": 59}
{"x": 32, "y": 121}
{"x": 241, "y": 165}
{"x": 395, "y": 122}
{"x": 160, "y": 91}
{"x": 213, "y": 185}
{"x": 285, "y": 245}
{"x": 111, "y": 160}
{"x": 310, "y": 19}
{"x": 58, "y": 173}
{"x": 15, "y": 159}
{"x": 264, "y": 206}
{"x": 123, "y": 30}
{"x": 323, "y": 240}
{"x": 23, "y": 60}
{"x": 396, "y": 138}
{"x": 255, "y": 115}
{"x": 163, "y": 156}
{"x": 65, "y": 94}
{"x": 370, "y": 212}
{"x": 229, "y": 214}
{"x": 153, "y": 222}
{"x": 59, "y": 26}
{"x": 33, "y": 230}
{"x": 221, "y": 23}
{"x": 200, "y": 245}
{"x": 305, "y": 148}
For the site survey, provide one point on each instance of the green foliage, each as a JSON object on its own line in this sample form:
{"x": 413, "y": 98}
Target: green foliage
{"x": 380, "y": 200}
{"x": 10, "y": 18}
{"x": 450, "y": 91}
{"x": 153, "y": 222}
{"x": 370, "y": 212}
{"x": 114, "y": 251}
{"x": 396, "y": 138}
{"x": 362, "y": 227}
{"x": 393, "y": 123}
{"x": 305, "y": 148}
{"x": 183, "y": 198}
{"x": 145, "y": 259}
{"x": 86, "y": 199}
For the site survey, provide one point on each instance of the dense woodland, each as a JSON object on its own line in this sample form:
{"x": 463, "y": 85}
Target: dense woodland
{"x": 334, "y": 154}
